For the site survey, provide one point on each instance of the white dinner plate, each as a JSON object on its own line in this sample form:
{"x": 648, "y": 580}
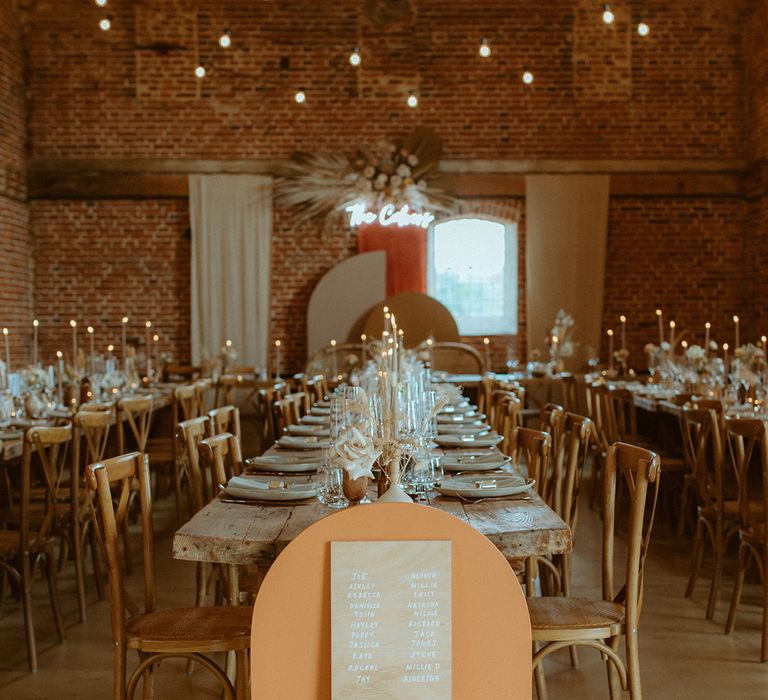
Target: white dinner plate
{"x": 489, "y": 440}
{"x": 484, "y": 486}
{"x": 308, "y": 430}
{"x": 309, "y": 419}
{"x": 279, "y": 463}
{"x": 302, "y": 443}
{"x": 463, "y": 407}
{"x": 460, "y": 417}
{"x": 263, "y": 490}
{"x": 475, "y": 428}
{"x": 474, "y": 462}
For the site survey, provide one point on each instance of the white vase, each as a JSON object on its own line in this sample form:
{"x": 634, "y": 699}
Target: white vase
{"x": 395, "y": 494}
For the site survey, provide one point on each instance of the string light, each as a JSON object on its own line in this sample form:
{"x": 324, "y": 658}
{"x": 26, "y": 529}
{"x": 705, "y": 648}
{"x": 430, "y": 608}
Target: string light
{"x": 200, "y": 72}
{"x": 527, "y": 77}
{"x": 101, "y": 3}
{"x": 355, "y": 59}
{"x": 608, "y": 15}
{"x": 225, "y": 40}
{"x": 485, "y": 49}
{"x": 412, "y": 100}
{"x": 300, "y": 97}
{"x": 643, "y": 29}
{"x": 105, "y": 24}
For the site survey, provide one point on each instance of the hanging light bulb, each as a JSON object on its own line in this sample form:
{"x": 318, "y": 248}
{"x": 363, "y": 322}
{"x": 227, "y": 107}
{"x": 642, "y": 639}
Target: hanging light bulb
{"x": 527, "y": 77}
{"x": 643, "y": 29}
{"x": 485, "y": 49}
{"x": 105, "y": 24}
{"x": 412, "y": 100}
{"x": 300, "y": 97}
{"x": 225, "y": 40}
{"x": 608, "y": 15}
{"x": 355, "y": 59}
{"x": 200, "y": 71}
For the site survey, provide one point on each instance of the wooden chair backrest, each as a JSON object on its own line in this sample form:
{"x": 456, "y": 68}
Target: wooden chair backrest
{"x": 625, "y": 414}
{"x": 748, "y": 449}
{"x": 136, "y": 413}
{"x": 458, "y": 358}
{"x": 265, "y": 421}
{"x": 215, "y": 452}
{"x": 532, "y": 448}
{"x": 494, "y": 413}
{"x": 186, "y": 404}
{"x": 191, "y": 433}
{"x": 509, "y": 415}
{"x": 703, "y": 452}
{"x": 203, "y": 390}
{"x": 640, "y": 470}
{"x": 315, "y": 388}
{"x": 577, "y": 436}
{"x": 51, "y": 448}
{"x": 176, "y": 372}
{"x": 552, "y": 421}
{"x": 92, "y": 406}
{"x": 225, "y": 419}
{"x": 226, "y": 385}
{"x": 600, "y": 408}
{"x": 287, "y": 411}
{"x": 484, "y": 391}
{"x": 111, "y": 477}
{"x": 570, "y": 387}
{"x": 94, "y": 426}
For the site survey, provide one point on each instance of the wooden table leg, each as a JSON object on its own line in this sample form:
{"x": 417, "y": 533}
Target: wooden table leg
{"x": 233, "y": 593}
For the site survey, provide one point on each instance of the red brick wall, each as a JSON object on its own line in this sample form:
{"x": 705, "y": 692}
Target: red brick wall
{"x": 683, "y": 255}
{"x": 599, "y": 92}
{"x": 97, "y": 261}
{"x": 15, "y": 243}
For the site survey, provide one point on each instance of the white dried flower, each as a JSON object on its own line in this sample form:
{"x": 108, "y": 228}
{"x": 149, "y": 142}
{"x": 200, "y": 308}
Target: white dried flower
{"x": 403, "y": 170}
{"x": 413, "y": 159}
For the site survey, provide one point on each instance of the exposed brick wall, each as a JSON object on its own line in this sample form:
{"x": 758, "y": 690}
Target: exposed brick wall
{"x": 98, "y": 261}
{"x": 685, "y": 256}
{"x": 599, "y": 92}
{"x": 15, "y": 243}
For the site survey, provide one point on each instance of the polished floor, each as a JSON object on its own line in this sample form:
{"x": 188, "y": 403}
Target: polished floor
{"x": 683, "y": 656}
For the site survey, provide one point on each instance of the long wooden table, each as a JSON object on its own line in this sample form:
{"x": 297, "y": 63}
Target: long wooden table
{"x": 256, "y": 533}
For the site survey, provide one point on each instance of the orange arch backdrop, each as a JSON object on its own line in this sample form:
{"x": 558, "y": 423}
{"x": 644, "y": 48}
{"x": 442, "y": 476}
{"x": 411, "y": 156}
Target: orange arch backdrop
{"x": 406, "y": 250}
{"x": 291, "y": 638}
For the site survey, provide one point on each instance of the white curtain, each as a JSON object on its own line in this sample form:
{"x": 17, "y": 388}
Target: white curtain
{"x": 565, "y": 234}
{"x": 231, "y": 217}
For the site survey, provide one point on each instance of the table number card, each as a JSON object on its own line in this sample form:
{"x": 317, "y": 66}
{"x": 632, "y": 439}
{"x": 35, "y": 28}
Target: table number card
{"x": 391, "y": 620}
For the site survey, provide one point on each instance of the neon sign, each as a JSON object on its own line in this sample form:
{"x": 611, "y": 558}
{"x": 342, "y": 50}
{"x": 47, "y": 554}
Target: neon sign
{"x": 388, "y": 215}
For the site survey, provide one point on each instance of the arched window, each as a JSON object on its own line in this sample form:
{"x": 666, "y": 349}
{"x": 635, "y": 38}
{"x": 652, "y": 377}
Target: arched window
{"x": 472, "y": 269}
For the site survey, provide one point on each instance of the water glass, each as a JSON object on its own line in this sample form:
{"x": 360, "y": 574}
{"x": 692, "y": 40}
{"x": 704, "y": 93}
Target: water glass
{"x": 329, "y": 487}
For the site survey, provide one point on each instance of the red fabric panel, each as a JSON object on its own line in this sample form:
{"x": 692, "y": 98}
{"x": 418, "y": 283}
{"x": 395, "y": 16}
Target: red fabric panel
{"x": 406, "y": 250}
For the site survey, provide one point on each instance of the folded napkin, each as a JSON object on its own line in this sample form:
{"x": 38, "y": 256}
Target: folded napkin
{"x": 243, "y": 483}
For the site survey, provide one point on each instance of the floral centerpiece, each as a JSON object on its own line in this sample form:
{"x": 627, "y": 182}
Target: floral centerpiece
{"x": 561, "y": 344}
{"x": 749, "y": 363}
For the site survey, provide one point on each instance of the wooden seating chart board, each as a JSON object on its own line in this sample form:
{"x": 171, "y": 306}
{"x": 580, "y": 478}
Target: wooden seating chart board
{"x": 391, "y": 620}
{"x": 291, "y": 640}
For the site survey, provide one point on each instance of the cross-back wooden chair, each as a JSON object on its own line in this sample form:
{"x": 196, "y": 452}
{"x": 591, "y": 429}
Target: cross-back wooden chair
{"x": 186, "y": 403}
{"x": 552, "y": 421}
{"x": 174, "y": 372}
{"x": 748, "y": 448}
{"x": 135, "y": 414}
{"x": 495, "y": 412}
{"x": 717, "y": 518}
{"x": 570, "y": 390}
{"x": 315, "y": 389}
{"x": 601, "y": 410}
{"x": 156, "y": 635}
{"x": 225, "y": 419}
{"x": 186, "y": 406}
{"x": 204, "y": 391}
{"x": 287, "y": 411}
{"x": 32, "y": 544}
{"x": 508, "y": 419}
{"x": 91, "y": 440}
{"x": 222, "y": 457}
{"x": 226, "y": 386}
{"x": 484, "y": 391}
{"x": 559, "y": 621}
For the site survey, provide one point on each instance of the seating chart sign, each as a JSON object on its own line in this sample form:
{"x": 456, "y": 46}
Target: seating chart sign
{"x": 391, "y": 620}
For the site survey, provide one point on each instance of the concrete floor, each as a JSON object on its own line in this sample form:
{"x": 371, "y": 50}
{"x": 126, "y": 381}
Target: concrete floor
{"x": 682, "y": 655}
